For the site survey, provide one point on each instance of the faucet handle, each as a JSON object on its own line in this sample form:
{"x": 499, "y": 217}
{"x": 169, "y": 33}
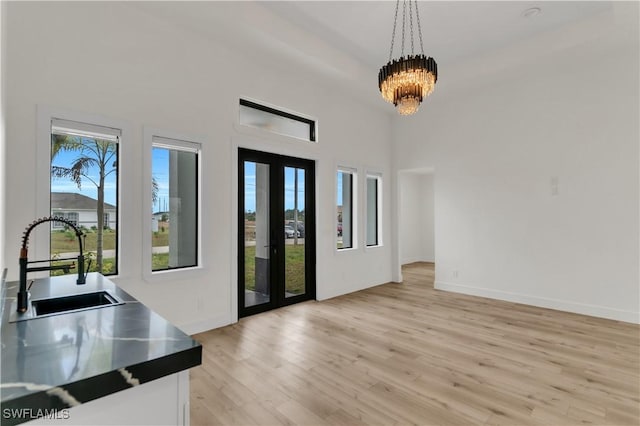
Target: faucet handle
{"x": 88, "y": 269}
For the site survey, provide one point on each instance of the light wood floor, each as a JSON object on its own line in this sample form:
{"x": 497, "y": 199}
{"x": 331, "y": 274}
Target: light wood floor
{"x": 408, "y": 354}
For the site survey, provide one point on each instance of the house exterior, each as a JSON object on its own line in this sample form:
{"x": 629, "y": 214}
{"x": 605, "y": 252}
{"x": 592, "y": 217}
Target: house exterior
{"x": 156, "y": 218}
{"x": 80, "y": 210}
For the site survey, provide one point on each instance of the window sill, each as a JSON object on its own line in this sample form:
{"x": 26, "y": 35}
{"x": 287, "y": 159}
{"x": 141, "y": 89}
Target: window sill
{"x": 174, "y": 274}
{"x": 343, "y": 250}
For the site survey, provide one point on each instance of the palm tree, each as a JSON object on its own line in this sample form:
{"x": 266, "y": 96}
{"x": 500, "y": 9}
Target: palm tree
{"x": 92, "y": 153}
{"x": 155, "y": 189}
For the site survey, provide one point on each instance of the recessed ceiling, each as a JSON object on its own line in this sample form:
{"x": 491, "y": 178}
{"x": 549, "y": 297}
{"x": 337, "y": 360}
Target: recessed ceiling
{"x": 351, "y": 39}
{"x": 452, "y": 31}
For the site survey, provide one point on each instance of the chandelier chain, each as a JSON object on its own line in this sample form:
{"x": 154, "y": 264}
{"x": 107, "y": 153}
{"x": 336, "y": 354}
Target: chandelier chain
{"x": 404, "y": 20}
{"x": 419, "y": 28}
{"x": 393, "y": 34}
{"x": 411, "y": 26}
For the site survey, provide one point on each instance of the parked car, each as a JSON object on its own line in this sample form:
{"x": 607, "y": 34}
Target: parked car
{"x": 292, "y": 224}
{"x": 289, "y": 232}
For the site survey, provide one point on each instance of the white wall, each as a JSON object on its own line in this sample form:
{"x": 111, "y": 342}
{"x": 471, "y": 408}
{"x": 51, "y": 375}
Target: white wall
{"x": 504, "y": 229}
{"x": 416, "y": 217}
{"x": 3, "y": 63}
{"x": 115, "y": 61}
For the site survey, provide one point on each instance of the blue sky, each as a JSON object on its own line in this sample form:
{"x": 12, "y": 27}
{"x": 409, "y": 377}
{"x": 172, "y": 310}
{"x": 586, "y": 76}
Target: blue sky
{"x": 160, "y": 171}
{"x": 289, "y": 187}
{"x": 65, "y": 159}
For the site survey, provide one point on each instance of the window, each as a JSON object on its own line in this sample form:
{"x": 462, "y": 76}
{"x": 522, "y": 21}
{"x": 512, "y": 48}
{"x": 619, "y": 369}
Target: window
{"x": 71, "y": 216}
{"x": 346, "y": 189}
{"x": 83, "y": 189}
{"x": 374, "y": 205}
{"x": 276, "y": 121}
{"x": 175, "y": 192}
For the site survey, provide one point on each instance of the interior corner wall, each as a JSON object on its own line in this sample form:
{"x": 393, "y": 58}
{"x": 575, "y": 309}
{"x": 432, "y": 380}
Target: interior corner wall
{"x": 113, "y": 60}
{"x": 3, "y": 167}
{"x": 416, "y": 217}
{"x": 537, "y": 189}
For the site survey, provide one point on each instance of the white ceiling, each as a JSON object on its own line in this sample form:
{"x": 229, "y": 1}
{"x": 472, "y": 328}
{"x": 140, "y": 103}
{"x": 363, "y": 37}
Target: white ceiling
{"x": 350, "y": 40}
{"x": 452, "y": 30}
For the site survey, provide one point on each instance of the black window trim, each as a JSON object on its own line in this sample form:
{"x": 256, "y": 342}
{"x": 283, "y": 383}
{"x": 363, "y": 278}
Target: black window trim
{"x": 377, "y": 213}
{"x": 311, "y": 123}
{"x": 179, "y": 145}
{"x": 352, "y": 210}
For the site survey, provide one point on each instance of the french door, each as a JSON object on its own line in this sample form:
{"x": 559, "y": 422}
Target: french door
{"x": 276, "y": 231}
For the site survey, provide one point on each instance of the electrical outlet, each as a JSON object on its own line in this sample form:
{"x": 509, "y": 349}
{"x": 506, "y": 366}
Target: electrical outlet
{"x": 455, "y": 273}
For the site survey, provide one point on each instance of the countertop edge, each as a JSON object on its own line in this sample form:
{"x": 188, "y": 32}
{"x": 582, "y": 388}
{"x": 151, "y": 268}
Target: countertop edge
{"x": 92, "y": 388}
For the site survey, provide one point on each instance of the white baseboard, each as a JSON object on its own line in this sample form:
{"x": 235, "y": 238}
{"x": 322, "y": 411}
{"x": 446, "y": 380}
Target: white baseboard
{"x": 204, "y": 325}
{"x": 415, "y": 259}
{"x": 408, "y": 260}
{"x": 321, "y": 296}
{"x": 560, "y": 305}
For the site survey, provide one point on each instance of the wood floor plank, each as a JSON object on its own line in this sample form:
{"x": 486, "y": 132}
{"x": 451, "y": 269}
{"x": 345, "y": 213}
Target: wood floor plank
{"x": 404, "y": 353}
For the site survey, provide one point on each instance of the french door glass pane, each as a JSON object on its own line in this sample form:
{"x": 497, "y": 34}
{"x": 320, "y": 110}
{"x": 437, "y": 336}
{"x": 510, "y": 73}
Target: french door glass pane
{"x": 294, "y": 210}
{"x": 257, "y": 240}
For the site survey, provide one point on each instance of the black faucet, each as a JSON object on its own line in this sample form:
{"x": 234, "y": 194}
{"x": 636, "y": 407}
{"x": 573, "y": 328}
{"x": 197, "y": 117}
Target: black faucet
{"x": 22, "y": 293}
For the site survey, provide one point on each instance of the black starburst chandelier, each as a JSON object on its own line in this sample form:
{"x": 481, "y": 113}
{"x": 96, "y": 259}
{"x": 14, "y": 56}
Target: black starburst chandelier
{"x": 406, "y": 81}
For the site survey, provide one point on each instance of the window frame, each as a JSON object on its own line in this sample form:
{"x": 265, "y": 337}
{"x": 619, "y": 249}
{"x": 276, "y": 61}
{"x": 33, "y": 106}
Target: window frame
{"x": 264, "y": 107}
{"x": 178, "y": 141}
{"x": 40, "y": 244}
{"x": 354, "y": 208}
{"x": 378, "y": 213}
{"x": 88, "y": 126}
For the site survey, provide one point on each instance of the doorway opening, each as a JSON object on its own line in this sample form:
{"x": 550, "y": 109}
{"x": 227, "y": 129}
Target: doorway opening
{"x": 276, "y": 231}
{"x": 416, "y": 218}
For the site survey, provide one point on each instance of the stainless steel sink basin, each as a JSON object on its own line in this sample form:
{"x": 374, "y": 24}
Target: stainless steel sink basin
{"x": 39, "y": 308}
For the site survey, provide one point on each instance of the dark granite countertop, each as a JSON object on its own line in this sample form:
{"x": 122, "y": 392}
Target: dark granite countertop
{"x": 59, "y": 361}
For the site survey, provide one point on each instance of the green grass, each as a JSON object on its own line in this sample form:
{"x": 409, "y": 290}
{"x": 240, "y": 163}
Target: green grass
{"x": 66, "y": 241}
{"x": 294, "y": 268}
{"x": 108, "y": 266}
{"x": 160, "y": 238}
{"x": 159, "y": 261}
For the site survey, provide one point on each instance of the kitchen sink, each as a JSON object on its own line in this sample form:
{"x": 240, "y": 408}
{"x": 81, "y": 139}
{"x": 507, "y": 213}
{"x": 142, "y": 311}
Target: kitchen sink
{"x": 67, "y": 304}
{"x": 76, "y": 302}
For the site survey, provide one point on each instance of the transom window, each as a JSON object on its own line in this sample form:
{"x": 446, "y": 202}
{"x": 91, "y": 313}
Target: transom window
{"x": 273, "y": 120}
